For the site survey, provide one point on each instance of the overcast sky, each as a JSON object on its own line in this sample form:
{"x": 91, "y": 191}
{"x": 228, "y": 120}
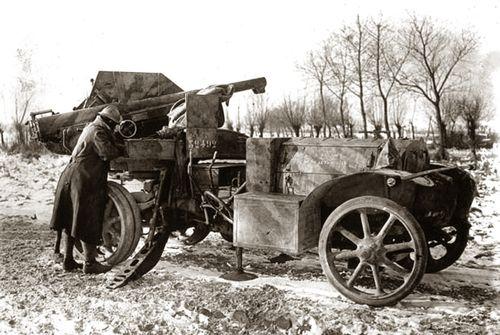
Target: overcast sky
{"x": 196, "y": 43}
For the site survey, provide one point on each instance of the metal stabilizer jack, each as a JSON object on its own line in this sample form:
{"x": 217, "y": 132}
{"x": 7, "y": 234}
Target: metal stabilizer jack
{"x": 143, "y": 261}
{"x": 239, "y": 274}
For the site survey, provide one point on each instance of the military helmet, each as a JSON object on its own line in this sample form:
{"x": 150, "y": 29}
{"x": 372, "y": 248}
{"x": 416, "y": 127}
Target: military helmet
{"x": 112, "y": 113}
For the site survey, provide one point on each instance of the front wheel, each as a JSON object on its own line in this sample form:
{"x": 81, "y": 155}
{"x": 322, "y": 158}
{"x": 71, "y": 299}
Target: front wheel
{"x": 360, "y": 245}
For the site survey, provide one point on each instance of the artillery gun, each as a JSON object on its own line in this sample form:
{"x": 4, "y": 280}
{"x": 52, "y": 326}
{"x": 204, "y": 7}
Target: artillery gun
{"x": 379, "y": 212}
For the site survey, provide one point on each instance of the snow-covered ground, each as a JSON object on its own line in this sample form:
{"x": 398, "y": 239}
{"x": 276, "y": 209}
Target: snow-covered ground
{"x": 184, "y": 294}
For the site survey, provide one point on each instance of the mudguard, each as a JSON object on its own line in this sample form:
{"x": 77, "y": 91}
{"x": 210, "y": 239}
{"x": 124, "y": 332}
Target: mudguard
{"x": 434, "y": 197}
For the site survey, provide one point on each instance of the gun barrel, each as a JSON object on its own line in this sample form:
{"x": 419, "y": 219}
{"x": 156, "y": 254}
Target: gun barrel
{"x": 258, "y": 85}
{"x": 52, "y": 125}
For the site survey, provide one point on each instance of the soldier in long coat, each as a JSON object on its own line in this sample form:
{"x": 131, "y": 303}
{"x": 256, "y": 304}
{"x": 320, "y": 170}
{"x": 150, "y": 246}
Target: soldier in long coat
{"x": 80, "y": 196}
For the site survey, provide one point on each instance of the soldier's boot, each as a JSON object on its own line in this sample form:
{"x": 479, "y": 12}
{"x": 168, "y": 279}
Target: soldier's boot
{"x": 57, "y": 256}
{"x": 69, "y": 263}
{"x": 91, "y": 265}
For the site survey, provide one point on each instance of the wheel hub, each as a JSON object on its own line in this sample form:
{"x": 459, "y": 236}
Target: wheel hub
{"x": 371, "y": 251}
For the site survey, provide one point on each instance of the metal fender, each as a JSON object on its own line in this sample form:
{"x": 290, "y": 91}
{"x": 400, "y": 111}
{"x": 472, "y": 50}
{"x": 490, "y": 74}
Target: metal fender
{"x": 326, "y": 197}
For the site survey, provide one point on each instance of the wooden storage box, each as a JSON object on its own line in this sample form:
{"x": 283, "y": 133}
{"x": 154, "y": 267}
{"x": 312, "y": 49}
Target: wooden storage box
{"x": 272, "y": 221}
{"x": 154, "y": 148}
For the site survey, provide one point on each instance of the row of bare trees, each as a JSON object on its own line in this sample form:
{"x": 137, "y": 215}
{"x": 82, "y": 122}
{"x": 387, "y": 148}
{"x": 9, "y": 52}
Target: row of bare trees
{"x": 295, "y": 116}
{"x": 22, "y": 96}
{"x": 373, "y": 73}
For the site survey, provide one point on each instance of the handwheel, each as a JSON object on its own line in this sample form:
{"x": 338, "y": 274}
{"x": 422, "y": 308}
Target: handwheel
{"x": 446, "y": 246}
{"x": 360, "y": 245}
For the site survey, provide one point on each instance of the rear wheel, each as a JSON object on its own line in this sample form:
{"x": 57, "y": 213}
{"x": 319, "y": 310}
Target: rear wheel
{"x": 446, "y": 246}
{"x": 136, "y": 214}
{"x": 121, "y": 228}
{"x": 360, "y": 245}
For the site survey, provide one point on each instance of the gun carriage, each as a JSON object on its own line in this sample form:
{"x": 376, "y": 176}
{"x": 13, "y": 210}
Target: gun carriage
{"x": 378, "y": 211}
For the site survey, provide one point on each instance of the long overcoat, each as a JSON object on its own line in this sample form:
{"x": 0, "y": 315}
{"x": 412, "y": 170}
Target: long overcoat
{"x": 80, "y": 197}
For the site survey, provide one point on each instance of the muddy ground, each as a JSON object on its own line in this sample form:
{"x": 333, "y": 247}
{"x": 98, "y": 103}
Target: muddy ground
{"x": 184, "y": 294}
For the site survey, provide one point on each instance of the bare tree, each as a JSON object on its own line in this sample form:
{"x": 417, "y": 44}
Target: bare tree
{"x": 333, "y": 119}
{"x": 24, "y": 92}
{"x": 277, "y": 121}
{"x": 388, "y": 62}
{"x": 1, "y": 135}
{"x": 357, "y": 42}
{"x": 315, "y": 118}
{"x": 375, "y": 116}
{"x": 434, "y": 56}
{"x": 450, "y": 110}
{"x": 294, "y": 113}
{"x": 315, "y": 67}
{"x": 399, "y": 107}
{"x": 250, "y": 121}
{"x": 473, "y": 109}
{"x": 338, "y": 79}
{"x": 349, "y": 120}
{"x": 260, "y": 111}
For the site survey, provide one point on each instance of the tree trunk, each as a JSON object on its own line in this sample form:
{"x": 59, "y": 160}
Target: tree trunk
{"x": 322, "y": 98}
{"x": 360, "y": 79}
{"x": 442, "y": 132}
{"x": 261, "y": 131}
{"x": 296, "y": 130}
{"x": 363, "y": 113}
{"x": 412, "y": 130}
{"x": 251, "y": 132}
{"x": 318, "y": 130}
{"x": 341, "y": 110}
{"x": 400, "y": 130}
{"x": 471, "y": 130}
{"x": 337, "y": 131}
{"x": 19, "y": 133}
{"x": 386, "y": 118}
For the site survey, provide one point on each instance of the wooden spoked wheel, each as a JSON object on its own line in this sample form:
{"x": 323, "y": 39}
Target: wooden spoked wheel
{"x": 360, "y": 245}
{"x": 121, "y": 229}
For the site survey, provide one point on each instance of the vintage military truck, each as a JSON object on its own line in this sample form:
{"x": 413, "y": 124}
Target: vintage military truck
{"x": 378, "y": 211}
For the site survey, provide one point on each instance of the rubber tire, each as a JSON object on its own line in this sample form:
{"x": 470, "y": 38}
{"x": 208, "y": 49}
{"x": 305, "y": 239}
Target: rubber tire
{"x": 404, "y": 217}
{"x": 451, "y": 257}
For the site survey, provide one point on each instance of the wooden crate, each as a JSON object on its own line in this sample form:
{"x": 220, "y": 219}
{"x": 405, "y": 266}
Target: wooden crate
{"x": 150, "y": 149}
{"x": 272, "y": 221}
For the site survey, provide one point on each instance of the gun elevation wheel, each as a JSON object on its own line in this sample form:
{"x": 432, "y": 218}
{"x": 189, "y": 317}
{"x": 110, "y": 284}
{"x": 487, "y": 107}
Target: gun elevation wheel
{"x": 360, "y": 245}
